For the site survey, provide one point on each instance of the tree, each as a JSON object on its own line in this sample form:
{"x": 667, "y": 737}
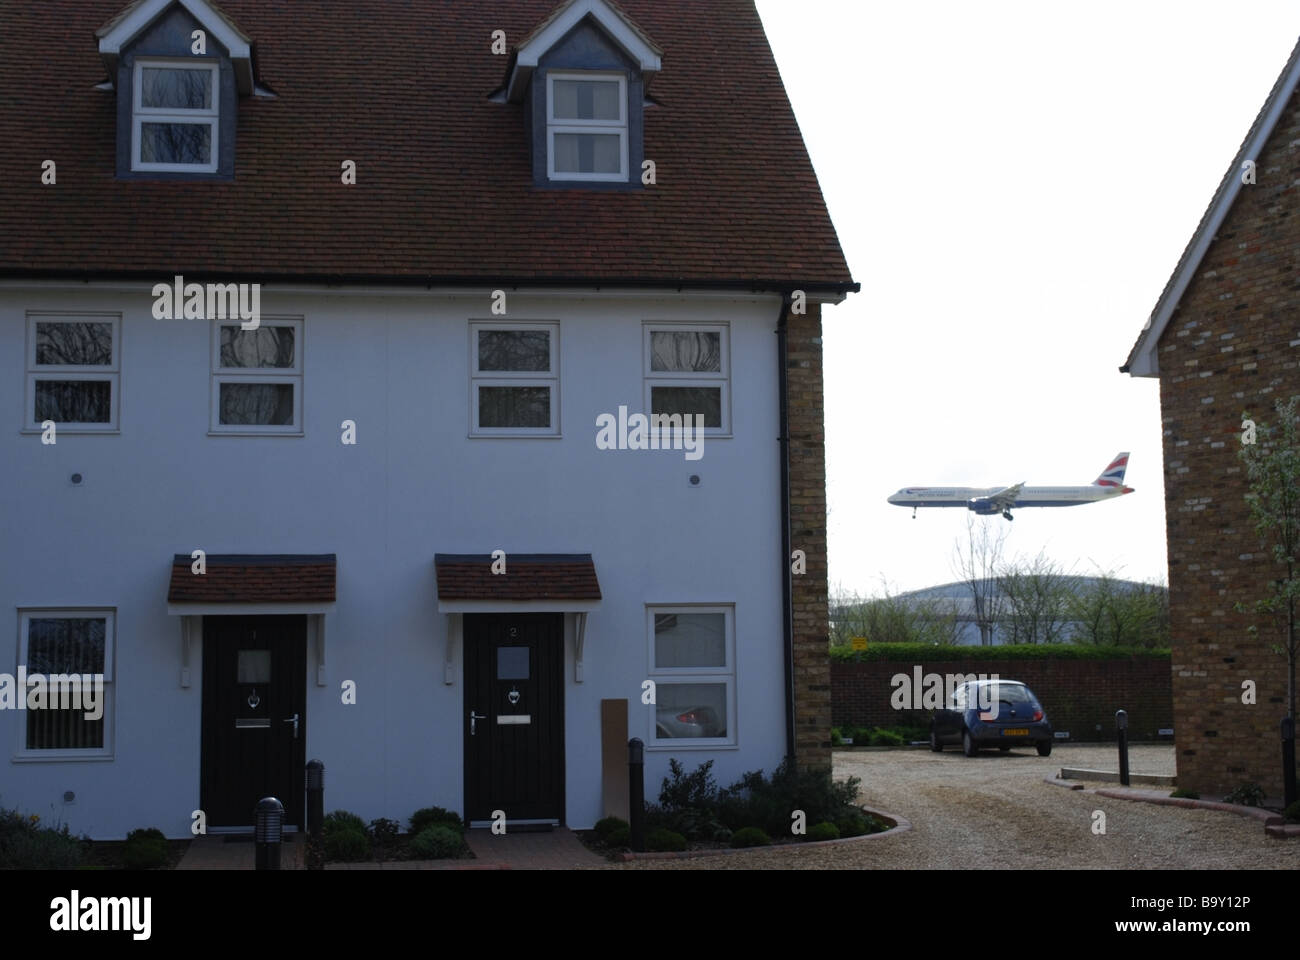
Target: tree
{"x": 890, "y": 618}
{"x": 1034, "y": 595}
{"x": 1273, "y": 496}
{"x": 1114, "y": 613}
{"x": 976, "y": 562}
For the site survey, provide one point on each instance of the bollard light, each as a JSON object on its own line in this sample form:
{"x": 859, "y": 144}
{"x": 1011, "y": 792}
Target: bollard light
{"x": 268, "y": 830}
{"x": 1121, "y": 725}
{"x": 315, "y": 775}
{"x": 636, "y": 793}
{"x": 315, "y": 853}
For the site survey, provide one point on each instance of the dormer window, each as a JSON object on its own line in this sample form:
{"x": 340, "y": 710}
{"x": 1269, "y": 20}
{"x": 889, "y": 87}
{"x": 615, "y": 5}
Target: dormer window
{"x": 176, "y": 116}
{"x": 582, "y": 76}
{"x": 586, "y": 126}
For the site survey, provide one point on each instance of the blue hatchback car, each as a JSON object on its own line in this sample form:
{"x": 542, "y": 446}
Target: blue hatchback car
{"x": 991, "y": 713}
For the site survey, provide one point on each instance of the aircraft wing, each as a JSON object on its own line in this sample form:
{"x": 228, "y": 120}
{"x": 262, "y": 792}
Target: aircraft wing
{"x": 1003, "y": 499}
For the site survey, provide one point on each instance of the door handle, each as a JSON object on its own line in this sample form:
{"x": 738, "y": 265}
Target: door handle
{"x": 294, "y": 721}
{"x": 473, "y": 717}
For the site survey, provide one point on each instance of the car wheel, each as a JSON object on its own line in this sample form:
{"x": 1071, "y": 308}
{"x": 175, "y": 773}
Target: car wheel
{"x": 935, "y": 745}
{"x": 1045, "y": 748}
{"x": 1005, "y": 749}
{"x": 968, "y": 745}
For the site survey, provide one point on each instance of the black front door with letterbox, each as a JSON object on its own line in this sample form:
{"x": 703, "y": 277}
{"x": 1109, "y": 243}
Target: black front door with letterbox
{"x": 514, "y": 716}
{"x": 254, "y": 717}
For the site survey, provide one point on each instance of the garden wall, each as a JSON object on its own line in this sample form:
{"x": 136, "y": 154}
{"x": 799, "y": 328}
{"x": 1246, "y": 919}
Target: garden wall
{"x": 1079, "y": 695}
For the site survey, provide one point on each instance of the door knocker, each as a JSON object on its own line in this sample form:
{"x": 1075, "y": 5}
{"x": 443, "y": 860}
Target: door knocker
{"x": 253, "y": 699}
{"x": 513, "y": 696}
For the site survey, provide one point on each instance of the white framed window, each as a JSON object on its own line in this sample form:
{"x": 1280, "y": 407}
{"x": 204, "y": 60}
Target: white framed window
{"x": 693, "y": 665}
{"x": 586, "y": 126}
{"x": 514, "y": 379}
{"x": 175, "y": 116}
{"x": 688, "y": 371}
{"x": 73, "y": 371}
{"x": 71, "y": 650}
{"x": 257, "y": 377}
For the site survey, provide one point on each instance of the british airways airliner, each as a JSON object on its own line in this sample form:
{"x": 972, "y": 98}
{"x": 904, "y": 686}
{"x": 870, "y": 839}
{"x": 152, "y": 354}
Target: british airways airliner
{"x": 990, "y": 500}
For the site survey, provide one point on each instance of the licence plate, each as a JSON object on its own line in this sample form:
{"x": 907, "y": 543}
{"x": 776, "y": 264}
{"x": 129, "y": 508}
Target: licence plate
{"x": 1015, "y": 733}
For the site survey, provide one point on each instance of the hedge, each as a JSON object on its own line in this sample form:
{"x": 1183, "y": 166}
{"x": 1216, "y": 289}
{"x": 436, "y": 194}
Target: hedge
{"x": 933, "y": 653}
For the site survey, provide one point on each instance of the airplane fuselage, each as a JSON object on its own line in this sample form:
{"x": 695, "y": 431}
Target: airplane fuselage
{"x": 970, "y": 497}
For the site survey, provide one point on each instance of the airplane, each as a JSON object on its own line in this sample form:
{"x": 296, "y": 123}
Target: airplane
{"x": 990, "y": 500}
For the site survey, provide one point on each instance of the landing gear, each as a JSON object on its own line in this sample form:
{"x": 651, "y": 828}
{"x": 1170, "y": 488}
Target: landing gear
{"x": 1007, "y": 515}
{"x": 914, "y": 513}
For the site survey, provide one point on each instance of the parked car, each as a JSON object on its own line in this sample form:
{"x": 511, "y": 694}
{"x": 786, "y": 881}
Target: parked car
{"x": 988, "y": 713}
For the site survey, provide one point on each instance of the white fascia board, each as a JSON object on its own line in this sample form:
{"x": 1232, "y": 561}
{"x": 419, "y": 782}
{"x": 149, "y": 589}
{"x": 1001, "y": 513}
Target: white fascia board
{"x": 111, "y": 43}
{"x": 517, "y": 606}
{"x": 631, "y": 42}
{"x": 1145, "y": 362}
{"x": 245, "y": 609}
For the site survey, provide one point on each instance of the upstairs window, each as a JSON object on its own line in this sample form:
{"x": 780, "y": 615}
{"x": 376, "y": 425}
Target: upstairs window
{"x": 257, "y": 378}
{"x": 175, "y": 116}
{"x": 687, "y": 373}
{"x": 72, "y": 372}
{"x": 515, "y": 379}
{"x": 586, "y": 126}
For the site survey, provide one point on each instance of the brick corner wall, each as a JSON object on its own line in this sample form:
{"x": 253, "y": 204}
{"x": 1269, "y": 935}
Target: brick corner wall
{"x": 812, "y": 668}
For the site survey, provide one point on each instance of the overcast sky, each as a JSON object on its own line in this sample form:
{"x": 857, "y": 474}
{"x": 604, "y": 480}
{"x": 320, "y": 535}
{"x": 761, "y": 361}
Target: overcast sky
{"x": 1013, "y": 183}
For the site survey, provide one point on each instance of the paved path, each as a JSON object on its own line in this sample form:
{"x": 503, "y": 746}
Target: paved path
{"x": 995, "y": 811}
{"x": 559, "y": 849}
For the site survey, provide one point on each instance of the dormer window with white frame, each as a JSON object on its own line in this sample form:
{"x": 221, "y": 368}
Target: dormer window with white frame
{"x": 586, "y": 126}
{"x": 176, "y": 116}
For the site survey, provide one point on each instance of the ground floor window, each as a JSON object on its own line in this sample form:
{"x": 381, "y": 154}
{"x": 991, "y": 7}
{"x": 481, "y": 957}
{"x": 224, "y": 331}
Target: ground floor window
{"x": 64, "y": 682}
{"x": 693, "y": 666}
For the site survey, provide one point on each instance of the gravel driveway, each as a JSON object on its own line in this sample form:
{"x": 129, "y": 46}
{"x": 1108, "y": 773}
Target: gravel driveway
{"x": 995, "y": 811}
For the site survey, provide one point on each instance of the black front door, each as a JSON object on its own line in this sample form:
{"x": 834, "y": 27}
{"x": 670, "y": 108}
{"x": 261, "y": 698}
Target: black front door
{"x": 254, "y": 717}
{"x": 514, "y": 716}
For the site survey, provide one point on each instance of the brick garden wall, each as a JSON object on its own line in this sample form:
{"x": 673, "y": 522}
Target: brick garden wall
{"x": 1078, "y": 695}
{"x": 1232, "y": 346}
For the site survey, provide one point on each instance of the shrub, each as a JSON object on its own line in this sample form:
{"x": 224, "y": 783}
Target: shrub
{"x": 750, "y": 837}
{"x": 347, "y": 843}
{"x": 665, "y": 840}
{"x": 851, "y": 824}
{"x": 837, "y": 737}
{"x": 619, "y": 838}
{"x": 607, "y": 825}
{"x": 754, "y": 800}
{"x": 342, "y": 820}
{"x": 824, "y": 831}
{"x": 427, "y": 817}
{"x": 862, "y": 736}
{"x": 438, "y": 842}
{"x": 689, "y": 791}
{"x": 144, "y": 849}
{"x": 1186, "y": 794}
{"x": 1247, "y": 795}
{"x": 26, "y": 846}
{"x": 1292, "y": 812}
{"x": 722, "y": 835}
{"x": 886, "y": 738}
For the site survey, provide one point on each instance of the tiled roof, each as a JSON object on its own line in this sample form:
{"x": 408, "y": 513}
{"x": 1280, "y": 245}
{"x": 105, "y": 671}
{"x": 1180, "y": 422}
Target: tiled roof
{"x": 444, "y": 190}
{"x": 255, "y": 578}
{"x": 528, "y": 576}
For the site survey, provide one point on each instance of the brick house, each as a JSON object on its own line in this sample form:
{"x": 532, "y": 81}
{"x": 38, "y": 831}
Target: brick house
{"x": 1224, "y": 339}
{"x": 329, "y": 328}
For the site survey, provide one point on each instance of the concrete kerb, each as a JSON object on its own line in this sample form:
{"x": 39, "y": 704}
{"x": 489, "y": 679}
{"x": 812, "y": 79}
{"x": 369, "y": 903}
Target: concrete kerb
{"x": 1274, "y": 825}
{"x": 900, "y": 825}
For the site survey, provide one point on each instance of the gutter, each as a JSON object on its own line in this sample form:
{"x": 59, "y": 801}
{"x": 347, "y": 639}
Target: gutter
{"x": 787, "y": 578}
{"x": 758, "y": 285}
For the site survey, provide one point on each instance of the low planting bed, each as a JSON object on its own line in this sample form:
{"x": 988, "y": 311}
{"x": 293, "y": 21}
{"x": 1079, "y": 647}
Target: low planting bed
{"x": 433, "y": 834}
{"x": 694, "y": 815}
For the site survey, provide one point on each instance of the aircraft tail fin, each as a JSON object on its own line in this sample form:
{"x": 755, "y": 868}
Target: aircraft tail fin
{"x": 1113, "y": 475}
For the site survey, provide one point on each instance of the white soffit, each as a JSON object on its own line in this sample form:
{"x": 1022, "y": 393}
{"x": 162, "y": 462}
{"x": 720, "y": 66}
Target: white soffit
{"x": 117, "y": 33}
{"x": 632, "y": 41}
